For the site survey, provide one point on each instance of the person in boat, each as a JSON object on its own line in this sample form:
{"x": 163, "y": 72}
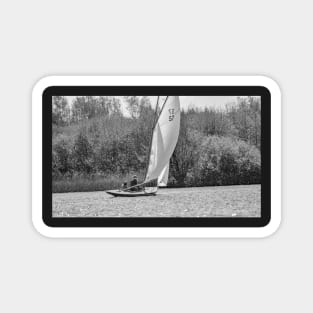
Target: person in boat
{"x": 134, "y": 182}
{"x": 124, "y": 185}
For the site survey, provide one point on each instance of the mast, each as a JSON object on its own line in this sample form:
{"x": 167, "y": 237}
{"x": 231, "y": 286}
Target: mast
{"x": 156, "y": 118}
{"x": 152, "y": 128}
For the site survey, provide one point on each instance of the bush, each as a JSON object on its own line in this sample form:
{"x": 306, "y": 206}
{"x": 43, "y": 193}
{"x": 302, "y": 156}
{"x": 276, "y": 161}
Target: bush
{"x": 61, "y": 155}
{"x": 228, "y": 161}
{"x": 82, "y": 154}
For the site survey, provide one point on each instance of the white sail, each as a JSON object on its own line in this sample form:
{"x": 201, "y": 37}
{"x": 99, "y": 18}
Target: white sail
{"x": 163, "y": 178}
{"x": 164, "y": 138}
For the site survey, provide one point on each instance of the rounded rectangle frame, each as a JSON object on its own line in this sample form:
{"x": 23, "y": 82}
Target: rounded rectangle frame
{"x": 157, "y": 227}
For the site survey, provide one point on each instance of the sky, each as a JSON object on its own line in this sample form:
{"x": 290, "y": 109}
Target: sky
{"x": 186, "y": 102}
{"x": 203, "y": 102}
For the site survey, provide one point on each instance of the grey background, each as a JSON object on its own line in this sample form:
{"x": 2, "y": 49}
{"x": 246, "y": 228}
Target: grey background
{"x": 40, "y": 38}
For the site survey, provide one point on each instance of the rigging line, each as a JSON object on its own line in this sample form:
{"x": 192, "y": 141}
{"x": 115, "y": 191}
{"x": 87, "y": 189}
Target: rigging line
{"x": 156, "y": 117}
{"x": 124, "y": 189}
{"x": 155, "y": 112}
{"x": 151, "y": 137}
{"x": 155, "y": 123}
{"x": 161, "y": 111}
{"x": 147, "y": 166}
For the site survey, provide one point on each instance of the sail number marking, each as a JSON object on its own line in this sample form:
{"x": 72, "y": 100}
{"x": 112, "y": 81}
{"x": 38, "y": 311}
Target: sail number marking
{"x": 171, "y": 114}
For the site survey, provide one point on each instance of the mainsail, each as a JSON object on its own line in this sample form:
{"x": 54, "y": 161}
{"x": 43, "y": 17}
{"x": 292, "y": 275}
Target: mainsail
{"x": 163, "y": 178}
{"x": 164, "y": 138}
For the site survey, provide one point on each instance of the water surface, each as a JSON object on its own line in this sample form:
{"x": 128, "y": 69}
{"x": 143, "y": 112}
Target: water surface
{"x": 221, "y": 201}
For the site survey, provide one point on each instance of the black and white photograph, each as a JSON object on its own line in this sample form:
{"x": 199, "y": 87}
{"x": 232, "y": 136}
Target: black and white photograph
{"x": 156, "y": 156}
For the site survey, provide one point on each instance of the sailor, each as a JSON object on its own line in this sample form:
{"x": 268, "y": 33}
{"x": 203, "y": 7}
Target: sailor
{"x": 133, "y": 182}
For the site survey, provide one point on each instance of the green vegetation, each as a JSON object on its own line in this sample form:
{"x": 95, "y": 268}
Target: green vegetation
{"x": 96, "y": 147}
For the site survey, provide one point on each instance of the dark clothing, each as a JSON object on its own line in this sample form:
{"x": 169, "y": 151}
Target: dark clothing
{"x": 133, "y": 183}
{"x": 124, "y": 186}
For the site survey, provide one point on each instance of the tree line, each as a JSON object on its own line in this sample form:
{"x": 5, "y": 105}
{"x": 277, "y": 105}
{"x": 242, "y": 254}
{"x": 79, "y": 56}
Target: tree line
{"x": 95, "y": 137}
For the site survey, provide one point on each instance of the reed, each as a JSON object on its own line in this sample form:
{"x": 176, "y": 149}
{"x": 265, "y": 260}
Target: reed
{"x": 94, "y": 182}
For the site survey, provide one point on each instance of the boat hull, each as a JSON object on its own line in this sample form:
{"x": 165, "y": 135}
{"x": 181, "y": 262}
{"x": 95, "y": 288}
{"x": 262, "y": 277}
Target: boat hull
{"x": 119, "y": 193}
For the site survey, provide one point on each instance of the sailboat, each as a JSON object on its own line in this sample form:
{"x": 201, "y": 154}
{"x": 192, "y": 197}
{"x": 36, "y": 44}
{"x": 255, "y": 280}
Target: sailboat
{"x": 162, "y": 145}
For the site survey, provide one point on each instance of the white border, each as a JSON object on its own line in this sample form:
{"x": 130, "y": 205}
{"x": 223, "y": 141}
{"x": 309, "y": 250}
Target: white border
{"x": 216, "y": 232}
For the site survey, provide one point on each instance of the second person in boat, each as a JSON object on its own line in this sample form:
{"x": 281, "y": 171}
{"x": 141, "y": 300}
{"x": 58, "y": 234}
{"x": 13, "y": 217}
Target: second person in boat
{"x": 133, "y": 183}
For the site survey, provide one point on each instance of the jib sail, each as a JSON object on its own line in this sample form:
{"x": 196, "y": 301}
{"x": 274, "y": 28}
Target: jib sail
{"x": 163, "y": 178}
